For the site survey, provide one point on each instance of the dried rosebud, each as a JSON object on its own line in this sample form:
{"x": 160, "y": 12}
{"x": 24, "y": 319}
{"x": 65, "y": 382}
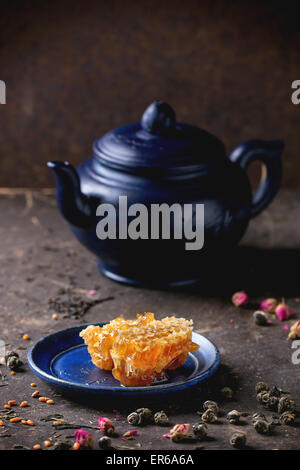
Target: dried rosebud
{"x": 104, "y": 442}
{"x": 295, "y": 330}
{"x": 134, "y": 418}
{"x": 130, "y": 434}
{"x": 106, "y": 426}
{"x": 240, "y": 299}
{"x": 285, "y": 404}
{"x": 227, "y": 392}
{"x": 233, "y": 416}
{"x": 287, "y": 418}
{"x": 268, "y": 305}
{"x": 211, "y": 405}
{"x": 145, "y": 414}
{"x": 84, "y": 439}
{"x": 160, "y": 418}
{"x": 179, "y": 432}
{"x": 261, "y": 387}
{"x": 238, "y": 440}
{"x": 200, "y": 430}
{"x": 209, "y": 416}
{"x": 262, "y": 426}
{"x": 283, "y": 312}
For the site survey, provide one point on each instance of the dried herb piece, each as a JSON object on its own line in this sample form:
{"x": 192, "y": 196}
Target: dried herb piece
{"x": 13, "y": 361}
{"x": 134, "y": 418}
{"x": 275, "y": 392}
{"x": 238, "y": 440}
{"x": 261, "y": 387}
{"x": 211, "y": 405}
{"x": 287, "y": 418}
{"x": 53, "y": 417}
{"x": 60, "y": 426}
{"x": 285, "y": 404}
{"x": 74, "y": 306}
{"x": 268, "y": 400}
{"x": 257, "y": 416}
{"x": 262, "y": 426}
{"x": 209, "y": 416}
{"x": 160, "y": 418}
{"x": 146, "y": 414}
{"x": 233, "y": 416}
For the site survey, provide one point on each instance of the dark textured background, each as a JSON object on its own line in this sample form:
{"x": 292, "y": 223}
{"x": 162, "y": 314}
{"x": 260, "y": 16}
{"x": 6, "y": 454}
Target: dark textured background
{"x": 75, "y": 69}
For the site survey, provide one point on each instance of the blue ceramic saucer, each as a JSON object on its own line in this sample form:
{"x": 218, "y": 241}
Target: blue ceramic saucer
{"x": 61, "y": 359}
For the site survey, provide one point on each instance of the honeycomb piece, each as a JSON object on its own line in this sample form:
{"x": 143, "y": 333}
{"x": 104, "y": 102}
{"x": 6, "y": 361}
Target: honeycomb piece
{"x": 100, "y": 339}
{"x": 141, "y": 354}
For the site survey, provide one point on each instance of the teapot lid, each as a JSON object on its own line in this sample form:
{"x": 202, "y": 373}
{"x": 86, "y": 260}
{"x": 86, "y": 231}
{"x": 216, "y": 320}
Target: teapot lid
{"x": 160, "y": 144}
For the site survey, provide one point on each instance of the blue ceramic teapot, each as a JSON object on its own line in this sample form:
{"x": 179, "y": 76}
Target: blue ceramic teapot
{"x": 160, "y": 161}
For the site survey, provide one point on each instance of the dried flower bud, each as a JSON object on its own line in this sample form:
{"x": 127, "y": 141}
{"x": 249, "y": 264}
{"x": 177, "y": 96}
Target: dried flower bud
{"x": 145, "y": 413}
{"x": 287, "y": 418}
{"x": 238, "y": 440}
{"x": 257, "y": 416}
{"x": 200, "y": 430}
{"x": 263, "y": 397}
{"x": 209, "y": 416}
{"x": 262, "y": 387}
{"x": 12, "y": 360}
{"x": 84, "y": 439}
{"x": 283, "y": 312}
{"x": 268, "y": 305}
{"x": 260, "y": 318}
{"x": 211, "y": 405}
{"x": 239, "y": 299}
{"x": 261, "y": 426}
{"x": 227, "y": 392}
{"x": 295, "y": 330}
{"x": 104, "y": 442}
{"x": 285, "y": 404}
{"x": 273, "y": 403}
{"x": 106, "y": 426}
{"x": 275, "y": 392}
{"x": 134, "y": 418}
{"x": 179, "y": 432}
{"x": 160, "y": 418}
{"x": 233, "y": 416}
{"x": 268, "y": 400}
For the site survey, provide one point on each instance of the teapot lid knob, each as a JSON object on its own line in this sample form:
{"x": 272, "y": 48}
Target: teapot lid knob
{"x": 159, "y": 118}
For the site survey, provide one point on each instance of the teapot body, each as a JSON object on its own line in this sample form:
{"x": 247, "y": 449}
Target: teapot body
{"x": 226, "y": 198}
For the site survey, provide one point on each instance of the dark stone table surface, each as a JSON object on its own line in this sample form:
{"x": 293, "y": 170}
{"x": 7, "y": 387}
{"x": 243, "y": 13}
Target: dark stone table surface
{"x": 40, "y": 259}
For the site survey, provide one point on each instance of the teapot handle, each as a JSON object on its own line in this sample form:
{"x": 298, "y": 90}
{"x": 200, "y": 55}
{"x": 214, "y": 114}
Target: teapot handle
{"x": 268, "y": 153}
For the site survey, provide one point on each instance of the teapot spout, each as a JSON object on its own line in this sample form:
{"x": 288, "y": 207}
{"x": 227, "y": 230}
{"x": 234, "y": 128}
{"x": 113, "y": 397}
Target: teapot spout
{"x": 72, "y": 203}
